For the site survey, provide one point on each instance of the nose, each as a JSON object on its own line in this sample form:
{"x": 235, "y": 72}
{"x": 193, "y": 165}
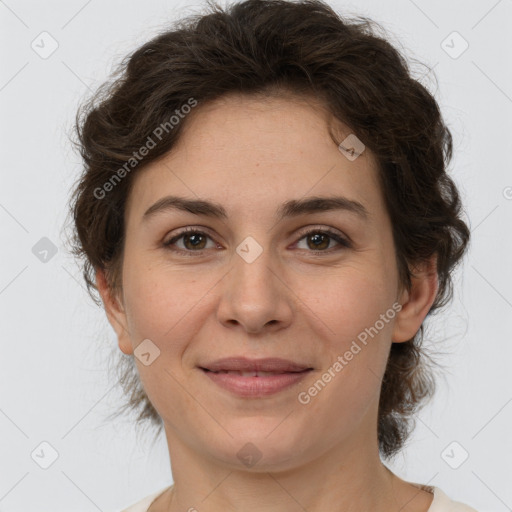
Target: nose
{"x": 254, "y": 295}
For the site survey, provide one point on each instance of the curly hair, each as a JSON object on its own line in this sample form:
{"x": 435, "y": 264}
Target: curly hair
{"x": 278, "y": 47}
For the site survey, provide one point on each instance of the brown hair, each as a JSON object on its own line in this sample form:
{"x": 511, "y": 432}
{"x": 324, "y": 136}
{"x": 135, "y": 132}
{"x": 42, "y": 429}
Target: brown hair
{"x": 279, "y": 47}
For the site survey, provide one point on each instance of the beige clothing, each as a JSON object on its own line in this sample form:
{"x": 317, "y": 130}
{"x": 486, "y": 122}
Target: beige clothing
{"x": 440, "y": 503}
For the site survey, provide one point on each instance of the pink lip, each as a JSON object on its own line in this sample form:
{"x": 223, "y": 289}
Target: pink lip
{"x": 269, "y": 364}
{"x": 256, "y": 386}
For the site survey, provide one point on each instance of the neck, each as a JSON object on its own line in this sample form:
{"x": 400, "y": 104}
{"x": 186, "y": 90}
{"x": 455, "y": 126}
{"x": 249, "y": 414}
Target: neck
{"x": 350, "y": 475}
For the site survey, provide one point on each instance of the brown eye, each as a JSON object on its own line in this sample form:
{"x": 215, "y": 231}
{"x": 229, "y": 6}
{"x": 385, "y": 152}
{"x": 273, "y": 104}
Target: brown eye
{"x": 196, "y": 241}
{"x": 320, "y": 240}
{"x": 317, "y": 241}
{"x": 192, "y": 241}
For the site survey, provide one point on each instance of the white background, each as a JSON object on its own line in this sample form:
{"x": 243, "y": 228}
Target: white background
{"x": 55, "y": 343}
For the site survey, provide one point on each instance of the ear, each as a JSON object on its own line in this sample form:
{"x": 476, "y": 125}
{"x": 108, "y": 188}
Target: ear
{"x": 115, "y": 313}
{"x": 417, "y": 301}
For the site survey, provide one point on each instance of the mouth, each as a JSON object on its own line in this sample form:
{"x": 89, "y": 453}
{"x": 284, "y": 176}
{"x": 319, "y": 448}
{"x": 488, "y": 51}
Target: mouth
{"x": 253, "y": 373}
{"x": 270, "y": 365}
{"x": 255, "y": 384}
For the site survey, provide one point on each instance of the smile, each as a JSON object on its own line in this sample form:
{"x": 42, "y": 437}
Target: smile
{"x": 254, "y": 384}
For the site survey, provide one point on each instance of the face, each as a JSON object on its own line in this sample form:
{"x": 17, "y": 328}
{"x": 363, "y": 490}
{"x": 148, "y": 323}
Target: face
{"x": 310, "y": 284}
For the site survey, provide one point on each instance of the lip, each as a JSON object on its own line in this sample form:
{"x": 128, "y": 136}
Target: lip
{"x": 255, "y": 387}
{"x": 286, "y": 373}
{"x": 244, "y": 364}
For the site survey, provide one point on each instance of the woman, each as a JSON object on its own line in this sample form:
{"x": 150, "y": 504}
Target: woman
{"x": 266, "y": 215}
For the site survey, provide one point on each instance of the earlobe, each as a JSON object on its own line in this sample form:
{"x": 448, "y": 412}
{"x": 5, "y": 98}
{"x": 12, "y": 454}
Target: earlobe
{"x": 115, "y": 312}
{"x": 417, "y": 301}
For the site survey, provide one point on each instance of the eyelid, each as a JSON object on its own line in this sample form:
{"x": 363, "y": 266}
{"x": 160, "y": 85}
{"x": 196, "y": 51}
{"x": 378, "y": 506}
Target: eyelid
{"x": 314, "y": 228}
{"x": 342, "y": 239}
{"x": 189, "y": 229}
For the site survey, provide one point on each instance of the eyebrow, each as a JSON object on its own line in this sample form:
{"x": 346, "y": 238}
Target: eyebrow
{"x": 292, "y": 208}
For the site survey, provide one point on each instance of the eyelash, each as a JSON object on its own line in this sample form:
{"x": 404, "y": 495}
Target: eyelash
{"x": 331, "y": 234}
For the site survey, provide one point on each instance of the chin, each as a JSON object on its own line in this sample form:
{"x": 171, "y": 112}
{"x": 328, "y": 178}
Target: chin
{"x": 259, "y": 448}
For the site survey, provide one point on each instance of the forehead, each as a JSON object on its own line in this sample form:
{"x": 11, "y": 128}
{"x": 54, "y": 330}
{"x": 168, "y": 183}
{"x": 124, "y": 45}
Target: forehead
{"x": 236, "y": 118}
{"x": 240, "y": 149}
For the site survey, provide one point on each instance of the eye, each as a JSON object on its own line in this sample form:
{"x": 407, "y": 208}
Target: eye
{"x": 319, "y": 240}
{"x": 193, "y": 240}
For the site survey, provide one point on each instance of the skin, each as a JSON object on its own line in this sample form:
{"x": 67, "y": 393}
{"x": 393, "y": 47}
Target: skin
{"x": 250, "y": 155}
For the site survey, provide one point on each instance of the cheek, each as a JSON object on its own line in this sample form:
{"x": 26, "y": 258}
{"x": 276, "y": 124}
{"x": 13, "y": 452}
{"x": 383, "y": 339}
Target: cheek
{"x": 351, "y": 301}
{"x": 356, "y": 307}
{"x": 169, "y": 309}
{"x": 162, "y": 301}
